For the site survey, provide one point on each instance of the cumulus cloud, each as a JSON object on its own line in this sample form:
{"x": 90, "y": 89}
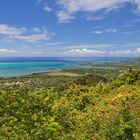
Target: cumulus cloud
{"x": 68, "y": 8}
{"x": 24, "y": 34}
{"x": 64, "y": 17}
{"x": 98, "y": 52}
{"x": 8, "y": 30}
{"x": 86, "y": 51}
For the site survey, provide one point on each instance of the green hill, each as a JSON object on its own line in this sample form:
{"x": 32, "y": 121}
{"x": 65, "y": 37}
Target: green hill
{"x": 104, "y": 111}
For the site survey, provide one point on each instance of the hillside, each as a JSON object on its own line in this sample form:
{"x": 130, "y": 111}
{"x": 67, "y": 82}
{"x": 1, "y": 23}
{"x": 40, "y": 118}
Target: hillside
{"x": 107, "y": 110}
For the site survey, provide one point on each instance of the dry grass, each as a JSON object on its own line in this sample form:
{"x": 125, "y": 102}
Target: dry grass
{"x": 64, "y": 74}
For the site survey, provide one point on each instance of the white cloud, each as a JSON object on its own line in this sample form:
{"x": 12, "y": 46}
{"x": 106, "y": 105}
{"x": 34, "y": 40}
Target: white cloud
{"x": 64, "y": 17}
{"x": 47, "y": 8}
{"x": 5, "y": 51}
{"x": 91, "y": 46}
{"x": 86, "y": 52}
{"x": 95, "y": 52}
{"x": 137, "y": 2}
{"x": 97, "y": 27}
{"x": 54, "y": 43}
{"x": 112, "y": 30}
{"x": 24, "y": 34}
{"x": 36, "y": 30}
{"x": 32, "y": 38}
{"x": 120, "y": 52}
{"x": 10, "y": 52}
{"x": 8, "y": 30}
{"x": 96, "y": 32}
{"x": 68, "y": 8}
{"x": 138, "y": 50}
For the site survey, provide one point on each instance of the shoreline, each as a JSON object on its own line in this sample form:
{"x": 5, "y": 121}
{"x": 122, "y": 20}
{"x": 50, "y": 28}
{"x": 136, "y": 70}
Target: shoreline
{"x": 50, "y": 73}
{"x": 89, "y": 67}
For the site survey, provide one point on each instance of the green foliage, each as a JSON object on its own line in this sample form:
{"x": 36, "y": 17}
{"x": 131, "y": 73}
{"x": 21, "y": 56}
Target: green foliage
{"x": 121, "y": 128}
{"x": 71, "y": 111}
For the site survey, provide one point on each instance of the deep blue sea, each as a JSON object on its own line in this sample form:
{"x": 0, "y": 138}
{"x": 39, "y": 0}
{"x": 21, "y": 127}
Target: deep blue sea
{"x": 18, "y": 66}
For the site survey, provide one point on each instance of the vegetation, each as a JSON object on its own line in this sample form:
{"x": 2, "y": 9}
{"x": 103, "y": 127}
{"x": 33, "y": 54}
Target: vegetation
{"x": 86, "y": 107}
{"x": 115, "y": 66}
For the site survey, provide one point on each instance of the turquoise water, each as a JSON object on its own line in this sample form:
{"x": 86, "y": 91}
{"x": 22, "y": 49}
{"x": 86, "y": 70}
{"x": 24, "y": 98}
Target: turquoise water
{"x": 23, "y": 66}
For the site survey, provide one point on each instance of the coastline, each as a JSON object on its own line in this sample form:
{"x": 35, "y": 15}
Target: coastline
{"x": 28, "y": 68}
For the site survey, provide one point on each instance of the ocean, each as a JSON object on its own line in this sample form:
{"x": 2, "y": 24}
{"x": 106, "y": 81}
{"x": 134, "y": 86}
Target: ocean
{"x": 19, "y": 66}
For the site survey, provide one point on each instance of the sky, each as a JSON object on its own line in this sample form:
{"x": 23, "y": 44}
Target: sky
{"x": 70, "y": 28}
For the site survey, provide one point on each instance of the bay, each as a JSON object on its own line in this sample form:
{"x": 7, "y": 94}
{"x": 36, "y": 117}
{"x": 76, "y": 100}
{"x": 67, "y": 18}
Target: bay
{"x": 18, "y": 66}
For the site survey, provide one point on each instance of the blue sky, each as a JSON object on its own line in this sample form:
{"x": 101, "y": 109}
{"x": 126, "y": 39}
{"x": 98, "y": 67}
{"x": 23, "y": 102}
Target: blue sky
{"x": 69, "y": 28}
